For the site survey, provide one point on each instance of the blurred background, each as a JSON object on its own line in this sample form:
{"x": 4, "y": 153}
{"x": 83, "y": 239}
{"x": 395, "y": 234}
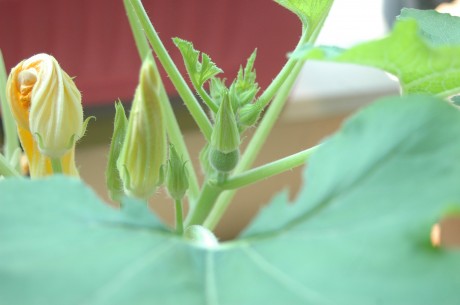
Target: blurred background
{"x": 92, "y": 41}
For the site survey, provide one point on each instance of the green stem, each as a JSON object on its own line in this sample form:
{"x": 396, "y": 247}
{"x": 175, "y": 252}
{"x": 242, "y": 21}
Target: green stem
{"x": 207, "y": 99}
{"x": 6, "y": 169}
{"x": 56, "y": 165}
{"x": 279, "y": 80}
{"x": 10, "y": 136}
{"x": 174, "y": 132}
{"x": 139, "y": 37}
{"x": 255, "y": 145}
{"x": 179, "y": 217}
{"x": 205, "y": 203}
{"x": 179, "y": 83}
{"x": 268, "y": 170}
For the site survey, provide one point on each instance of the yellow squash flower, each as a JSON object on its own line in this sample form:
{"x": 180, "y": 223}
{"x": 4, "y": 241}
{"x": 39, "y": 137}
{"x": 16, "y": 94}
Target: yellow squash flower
{"x": 47, "y": 107}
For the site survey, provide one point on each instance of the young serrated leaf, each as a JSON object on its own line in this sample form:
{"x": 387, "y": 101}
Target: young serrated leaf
{"x": 357, "y": 234}
{"x": 312, "y": 13}
{"x": 199, "y": 72}
{"x": 244, "y": 88}
{"x": 420, "y": 66}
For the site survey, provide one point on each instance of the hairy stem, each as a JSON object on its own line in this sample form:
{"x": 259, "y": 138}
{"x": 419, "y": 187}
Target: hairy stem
{"x": 268, "y": 170}
{"x": 179, "y": 218}
{"x": 56, "y": 165}
{"x": 279, "y": 80}
{"x": 207, "y": 99}
{"x": 205, "y": 203}
{"x": 184, "y": 91}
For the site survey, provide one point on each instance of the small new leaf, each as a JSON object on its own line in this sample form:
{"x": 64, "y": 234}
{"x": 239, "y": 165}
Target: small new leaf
{"x": 244, "y": 89}
{"x": 199, "y": 72}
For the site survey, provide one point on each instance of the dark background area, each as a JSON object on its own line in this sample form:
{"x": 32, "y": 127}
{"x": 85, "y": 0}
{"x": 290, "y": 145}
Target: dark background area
{"x": 92, "y": 39}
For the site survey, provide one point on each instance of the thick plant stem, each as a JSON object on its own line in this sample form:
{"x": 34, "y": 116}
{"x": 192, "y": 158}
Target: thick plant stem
{"x": 10, "y": 136}
{"x": 207, "y": 99}
{"x": 6, "y": 169}
{"x": 279, "y": 80}
{"x": 174, "y": 132}
{"x": 255, "y": 145}
{"x": 268, "y": 170}
{"x": 179, "y": 83}
{"x": 205, "y": 203}
{"x": 56, "y": 165}
{"x": 179, "y": 217}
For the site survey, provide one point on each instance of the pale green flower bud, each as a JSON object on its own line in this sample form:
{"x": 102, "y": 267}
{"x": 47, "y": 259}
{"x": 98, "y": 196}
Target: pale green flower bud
{"x": 225, "y": 139}
{"x": 176, "y": 175}
{"x": 249, "y": 115}
{"x": 112, "y": 175}
{"x": 144, "y": 147}
{"x": 224, "y": 162}
{"x": 225, "y": 136}
{"x": 46, "y": 102}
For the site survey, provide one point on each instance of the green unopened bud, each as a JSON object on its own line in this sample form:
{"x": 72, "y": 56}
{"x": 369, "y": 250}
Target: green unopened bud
{"x": 112, "y": 175}
{"x": 223, "y": 162}
{"x": 217, "y": 90}
{"x": 144, "y": 147}
{"x": 225, "y": 136}
{"x": 248, "y": 115}
{"x": 244, "y": 88}
{"x": 176, "y": 175}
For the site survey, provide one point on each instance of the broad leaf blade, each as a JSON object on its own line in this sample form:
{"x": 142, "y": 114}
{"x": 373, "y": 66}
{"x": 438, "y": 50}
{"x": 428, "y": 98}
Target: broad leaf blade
{"x": 420, "y": 65}
{"x": 439, "y": 29}
{"x": 357, "y": 234}
{"x": 311, "y": 13}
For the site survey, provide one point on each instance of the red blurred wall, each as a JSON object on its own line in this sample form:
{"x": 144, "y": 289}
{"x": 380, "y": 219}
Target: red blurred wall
{"x": 92, "y": 40}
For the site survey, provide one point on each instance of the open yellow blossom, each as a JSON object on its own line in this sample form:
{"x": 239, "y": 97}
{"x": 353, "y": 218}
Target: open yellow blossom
{"x": 47, "y": 107}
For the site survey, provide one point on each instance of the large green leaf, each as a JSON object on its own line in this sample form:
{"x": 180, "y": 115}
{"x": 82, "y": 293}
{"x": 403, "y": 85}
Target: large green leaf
{"x": 422, "y": 59}
{"x": 439, "y": 29}
{"x": 357, "y": 234}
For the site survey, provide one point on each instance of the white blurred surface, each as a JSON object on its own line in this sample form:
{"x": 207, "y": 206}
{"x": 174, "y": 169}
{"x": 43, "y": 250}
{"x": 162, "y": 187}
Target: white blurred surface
{"x": 327, "y": 88}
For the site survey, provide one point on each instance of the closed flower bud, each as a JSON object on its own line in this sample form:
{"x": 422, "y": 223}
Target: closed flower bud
{"x": 47, "y": 108}
{"x": 223, "y": 162}
{"x": 225, "y": 139}
{"x": 249, "y": 115}
{"x": 46, "y": 102}
{"x": 112, "y": 175}
{"x": 176, "y": 175}
{"x": 225, "y": 136}
{"x": 144, "y": 146}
